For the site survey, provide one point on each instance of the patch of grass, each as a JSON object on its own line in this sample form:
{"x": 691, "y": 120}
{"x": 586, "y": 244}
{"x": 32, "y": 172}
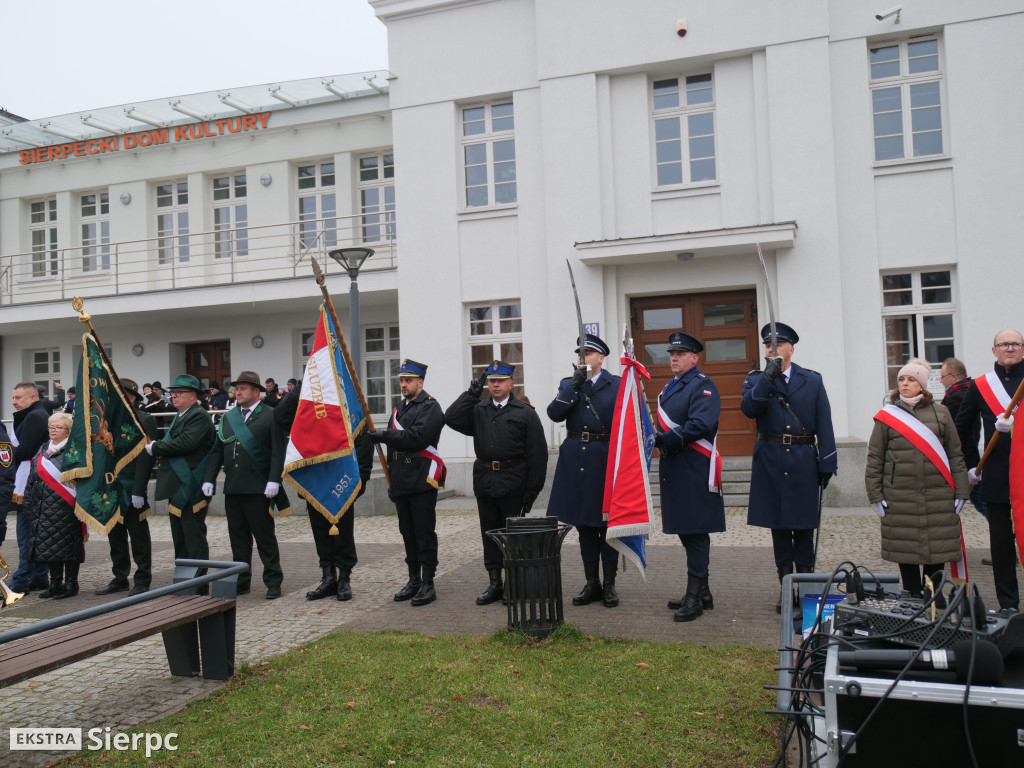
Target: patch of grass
{"x": 506, "y": 701}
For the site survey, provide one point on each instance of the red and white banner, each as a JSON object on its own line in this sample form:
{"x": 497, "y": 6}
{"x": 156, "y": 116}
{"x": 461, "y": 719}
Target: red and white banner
{"x": 922, "y": 438}
{"x": 1017, "y": 489}
{"x": 438, "y": 471}
{"x": 51, "y": 476}
{"x": 993, "y": 393}
{"x": 709, "y": 449}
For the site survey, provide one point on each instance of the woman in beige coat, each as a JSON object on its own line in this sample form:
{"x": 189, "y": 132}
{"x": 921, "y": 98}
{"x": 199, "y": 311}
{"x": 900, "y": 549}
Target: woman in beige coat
{"x": 919, "y": 510}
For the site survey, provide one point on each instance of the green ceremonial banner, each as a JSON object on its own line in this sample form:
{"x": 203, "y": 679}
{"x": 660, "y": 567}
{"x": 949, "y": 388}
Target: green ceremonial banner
{"x": 105, "y": 438}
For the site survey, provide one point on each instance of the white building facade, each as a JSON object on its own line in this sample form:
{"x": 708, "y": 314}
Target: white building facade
{"x": 869, "y": 158}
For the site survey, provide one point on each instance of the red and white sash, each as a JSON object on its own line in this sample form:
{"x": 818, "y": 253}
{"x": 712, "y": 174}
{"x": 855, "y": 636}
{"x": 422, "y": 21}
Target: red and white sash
{"x": 20, "y": 475}
{"x": 993, "y": 393}
{"x": 926, "y": 441}
{"x": 438, "y": 471}
{"x": 922, "y": 438}
{"x": 709, "y": 449}
{"x": 51, "y": 476}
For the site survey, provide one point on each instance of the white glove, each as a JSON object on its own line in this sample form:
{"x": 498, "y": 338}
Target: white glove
{"x": 149, "y": 447}
{"x": 881, "y": 507}
{"x": 973, "y": 476}
{"x": 958, "y": 505}
{"x": 1003, "y": 425}
{"x": 271, "y": 490}
{"x": 138, "y": 502}
{"x": 207, "y": 489}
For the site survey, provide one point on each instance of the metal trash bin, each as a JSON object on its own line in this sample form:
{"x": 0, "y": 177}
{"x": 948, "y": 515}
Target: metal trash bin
{"x": 531, "y": 547}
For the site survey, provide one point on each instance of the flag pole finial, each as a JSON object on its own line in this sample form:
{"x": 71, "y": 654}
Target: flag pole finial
{"x": 83, "y": 317}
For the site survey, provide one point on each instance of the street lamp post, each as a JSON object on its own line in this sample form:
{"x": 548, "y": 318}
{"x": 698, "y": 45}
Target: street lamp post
{"x": 351, "y": 259}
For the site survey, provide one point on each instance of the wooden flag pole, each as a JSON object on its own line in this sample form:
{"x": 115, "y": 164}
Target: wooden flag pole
{"x": 322, "y": 282}
{"x": 79, "y": 306}
{"x": 995, "y": 435}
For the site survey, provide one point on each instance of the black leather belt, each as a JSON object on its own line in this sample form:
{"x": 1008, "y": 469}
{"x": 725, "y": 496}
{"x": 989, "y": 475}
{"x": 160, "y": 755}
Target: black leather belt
{"x": 787, "y": 439}
{"x": 497, "y": 465}
{"x": 590, "y": 437}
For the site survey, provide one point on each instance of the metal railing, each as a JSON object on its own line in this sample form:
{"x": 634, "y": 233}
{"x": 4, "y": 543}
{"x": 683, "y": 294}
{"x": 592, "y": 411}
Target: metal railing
{"x": 193, "y": 260}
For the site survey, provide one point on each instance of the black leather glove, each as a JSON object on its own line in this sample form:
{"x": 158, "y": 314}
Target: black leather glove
{"x": 579, "y": 377}
{"x": 377, "y": 435}
{"x": 659, "y": 441}
{"x": 476, "y": 386}
{"x": 773, "y": 370}
{"x": 823, "y": 479}
{"x": 528, "y": 498}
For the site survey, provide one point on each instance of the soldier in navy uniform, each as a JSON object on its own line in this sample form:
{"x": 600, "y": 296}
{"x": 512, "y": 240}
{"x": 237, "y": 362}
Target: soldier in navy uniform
{"x": 511, "y": 459}
{"x": 688, "y": 411}
{"x": 586, "y": 403}
{"x": 250, "y": 446}
{"x": 795, "y": 454}
{"x": 414, "y": 429}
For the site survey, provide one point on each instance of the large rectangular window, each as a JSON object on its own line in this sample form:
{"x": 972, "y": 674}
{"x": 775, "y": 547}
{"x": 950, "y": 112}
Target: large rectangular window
{"x": 919, "y": 314}
{"x": 42, "y": 230}
{"x": 906, "y": 99}
{"x": 45, "y": 368}
{"x": 95, "y": 222}
{"x": 683, "y": 112}
{"x": 317, "y": 205}
{"x": 489, "y": 154}
{"x": 381, "y": 361}
{"x": 172, "y": 221}
{"x": 230, "y": 216}
{"x": 377, "y": 197}
{"x": 496, "y": 333}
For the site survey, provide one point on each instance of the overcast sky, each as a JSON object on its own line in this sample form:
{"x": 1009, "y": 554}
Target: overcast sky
{"x": 68, "y": 56}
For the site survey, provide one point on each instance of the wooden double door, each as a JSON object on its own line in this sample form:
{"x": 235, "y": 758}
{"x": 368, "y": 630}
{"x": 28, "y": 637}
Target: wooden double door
{"x": 726, "y": 323}
{"x": 209, "y": 361}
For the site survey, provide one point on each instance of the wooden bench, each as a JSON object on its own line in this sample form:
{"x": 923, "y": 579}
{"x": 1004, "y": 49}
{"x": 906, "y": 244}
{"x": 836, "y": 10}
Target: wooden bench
{"x": 198, "y": 631}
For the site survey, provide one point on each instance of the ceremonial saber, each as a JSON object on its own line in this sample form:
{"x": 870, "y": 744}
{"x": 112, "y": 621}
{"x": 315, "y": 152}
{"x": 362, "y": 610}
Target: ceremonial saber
{"x": 322, "y": 282}
{"x": 772, "y": 334}
{"x": 995, "y": 435}
{"x": 79, "y": 306}
{"x": 579, "y": 318}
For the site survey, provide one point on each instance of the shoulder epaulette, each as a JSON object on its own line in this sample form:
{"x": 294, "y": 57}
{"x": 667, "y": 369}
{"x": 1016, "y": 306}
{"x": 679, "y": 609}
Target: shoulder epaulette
{"x": 756, "y": 370}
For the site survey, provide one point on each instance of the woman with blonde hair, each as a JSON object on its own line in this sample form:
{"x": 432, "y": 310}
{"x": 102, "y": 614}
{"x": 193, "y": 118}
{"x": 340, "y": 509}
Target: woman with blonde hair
{"x": 916, "y": 479}
{"x": 56, "y": 535}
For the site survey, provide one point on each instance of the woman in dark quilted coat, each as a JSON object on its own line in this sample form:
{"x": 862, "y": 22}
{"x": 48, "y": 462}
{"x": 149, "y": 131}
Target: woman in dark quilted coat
{"x": 56, "y": 535}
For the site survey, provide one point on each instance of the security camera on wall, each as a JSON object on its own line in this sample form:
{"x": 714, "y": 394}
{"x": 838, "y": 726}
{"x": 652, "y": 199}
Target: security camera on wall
{"x": 681, "y": 27}
{"x": 891, "y": 12}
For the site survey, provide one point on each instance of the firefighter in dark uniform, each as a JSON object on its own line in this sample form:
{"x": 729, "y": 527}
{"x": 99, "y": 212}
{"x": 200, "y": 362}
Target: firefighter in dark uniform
{"x": 999, "y": 385}
{"x": 134, "y": 530}
{"x": 586, "y": 403}
{"x": 179, "y": 471}
{"x": 337, "y": 554}
{"x": 511, "y": 458}
{"x": 691, "y": 498}
{"x": 795, "y": 453}
{"x": 250, "y": 446}
{"x": 416, "y": 474}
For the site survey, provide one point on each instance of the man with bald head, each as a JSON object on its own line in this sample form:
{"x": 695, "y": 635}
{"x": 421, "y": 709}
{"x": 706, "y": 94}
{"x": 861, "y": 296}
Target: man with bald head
{"x": 988, "y": 397}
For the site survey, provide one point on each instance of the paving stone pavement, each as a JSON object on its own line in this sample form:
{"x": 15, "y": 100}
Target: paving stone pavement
{"x": 132, "y": 685}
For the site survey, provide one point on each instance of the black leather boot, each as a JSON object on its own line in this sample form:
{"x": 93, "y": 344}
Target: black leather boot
{"x": 70, "y": 588}
{"x": 344, "y": 585}
{"x": 426, "y": 593}
{"x": 707, "y": 601}
{"x": 798, "y": 606}
{"x": 691, "y": 607}
{"x": 591, "y": 591}
{"x": 56, "y": 580}
{"x": 495, "y": 590}
{"x": 610, "y": 597}
{"x": 328, "y": 585}
{"x": 412, "y": 586}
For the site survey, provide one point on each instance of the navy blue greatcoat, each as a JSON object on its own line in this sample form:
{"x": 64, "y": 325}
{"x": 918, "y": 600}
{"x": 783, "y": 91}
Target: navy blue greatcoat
{"x": 687, "y": 506}
{"x": 784, "y": 478}
{"x": 577, "y": 492}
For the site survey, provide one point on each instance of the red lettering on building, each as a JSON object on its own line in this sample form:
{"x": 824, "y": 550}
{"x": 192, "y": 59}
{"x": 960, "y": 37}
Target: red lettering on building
{"x": 248, "y": 122}
{"x": 263, "y": 117}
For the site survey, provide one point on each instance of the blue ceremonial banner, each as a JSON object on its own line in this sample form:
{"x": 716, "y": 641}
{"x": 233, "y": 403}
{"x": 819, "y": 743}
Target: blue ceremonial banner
{"x": 320, "y": 461}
